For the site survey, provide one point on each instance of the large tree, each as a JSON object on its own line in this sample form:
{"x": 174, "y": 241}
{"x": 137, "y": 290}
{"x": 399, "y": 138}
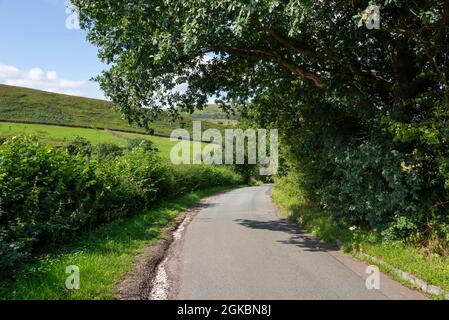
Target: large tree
{"x": 155, "y": 45}
{"x": 338, "y": 91}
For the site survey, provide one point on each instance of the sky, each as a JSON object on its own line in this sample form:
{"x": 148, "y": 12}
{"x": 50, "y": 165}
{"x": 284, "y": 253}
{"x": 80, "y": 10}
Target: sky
{"x": 41, "y": 48}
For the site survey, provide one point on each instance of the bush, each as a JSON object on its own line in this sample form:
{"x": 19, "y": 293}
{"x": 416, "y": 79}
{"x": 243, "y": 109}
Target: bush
{"x": 107, "y": 151}
{"x": 145, "y": 144}
{"x": 45, "y": 194}
{"x": 132, "y": 182}
{"x": 374, "y": 190}
{"x": 375, "y": 169}
{"x": 80, "y": 146}
{"x": 194, "y": 177}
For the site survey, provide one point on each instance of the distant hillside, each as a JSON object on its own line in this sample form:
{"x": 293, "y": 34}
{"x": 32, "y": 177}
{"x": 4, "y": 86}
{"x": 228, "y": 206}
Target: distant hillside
{"x": 213, "y": 112}
{"x": 38, "y": 106}
{"x": 34, "y": 105}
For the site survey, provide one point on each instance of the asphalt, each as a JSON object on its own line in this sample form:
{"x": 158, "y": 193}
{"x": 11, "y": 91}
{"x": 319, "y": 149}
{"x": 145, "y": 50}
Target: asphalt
{"x": 238, "y": 247}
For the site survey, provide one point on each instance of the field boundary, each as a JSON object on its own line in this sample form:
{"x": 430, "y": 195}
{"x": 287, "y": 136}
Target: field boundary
{"x": 92, "y": 127}
{"x": 79, "y": 126}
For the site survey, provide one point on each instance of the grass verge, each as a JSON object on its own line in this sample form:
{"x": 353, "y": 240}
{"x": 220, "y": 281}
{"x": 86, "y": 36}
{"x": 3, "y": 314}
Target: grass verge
{"x": 103, "y": 256}
{"x": 432, "y": 269}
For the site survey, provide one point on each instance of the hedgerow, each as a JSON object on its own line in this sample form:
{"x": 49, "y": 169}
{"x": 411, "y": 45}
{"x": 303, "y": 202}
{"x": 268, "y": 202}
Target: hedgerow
{"x": 47, "y": 195}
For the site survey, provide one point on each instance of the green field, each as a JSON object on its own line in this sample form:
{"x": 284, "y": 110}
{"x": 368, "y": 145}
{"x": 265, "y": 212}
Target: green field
{"x": 60, "y": 136}
{"x": 22, "y": 104}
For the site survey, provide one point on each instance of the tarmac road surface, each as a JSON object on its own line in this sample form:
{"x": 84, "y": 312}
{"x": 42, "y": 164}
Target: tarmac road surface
{"x": 238, "y": 247}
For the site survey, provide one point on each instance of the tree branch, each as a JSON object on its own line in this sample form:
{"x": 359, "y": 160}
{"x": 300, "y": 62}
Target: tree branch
{"x": 302, "y": 48}
{"x": 263, "y": 54}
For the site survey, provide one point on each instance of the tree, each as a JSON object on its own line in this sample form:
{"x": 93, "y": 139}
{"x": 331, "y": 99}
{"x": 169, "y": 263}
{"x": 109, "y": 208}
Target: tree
{"x": 155, "y": 45}
{"x": 337, "y": 91}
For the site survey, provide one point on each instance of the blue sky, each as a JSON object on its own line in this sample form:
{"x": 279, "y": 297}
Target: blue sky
{"x": 37, "y": 50}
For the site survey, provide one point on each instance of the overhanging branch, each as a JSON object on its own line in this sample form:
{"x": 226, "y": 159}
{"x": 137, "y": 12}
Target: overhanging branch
{"x": 263, "y": 54}
{"x": 305, "y": 50}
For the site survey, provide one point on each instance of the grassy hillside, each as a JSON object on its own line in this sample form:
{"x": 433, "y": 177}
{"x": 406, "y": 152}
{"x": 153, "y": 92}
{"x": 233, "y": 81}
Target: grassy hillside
{"x": 38, "y": 106}
{"x": 61, "y": 136}
{"x": 33, "y": 105}
{"x": 213, "y": 113}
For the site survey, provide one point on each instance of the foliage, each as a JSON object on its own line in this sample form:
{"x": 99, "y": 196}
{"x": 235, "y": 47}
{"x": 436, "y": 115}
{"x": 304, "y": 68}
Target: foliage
{"x": 363, "y": 113}
{"x": 195, "y": 177}
{"x": 132, "y": 182}
{"x": 145, "y": 144}
{"x": 107, "y": 151}
{"x": 45, "y": 196}
{"x": 80, "y": 146}
{"x": 103, "y": 255}
{"x": 423, "y": 262}
{"x": 293, "y": 203}
{"x": 48, "y": 195}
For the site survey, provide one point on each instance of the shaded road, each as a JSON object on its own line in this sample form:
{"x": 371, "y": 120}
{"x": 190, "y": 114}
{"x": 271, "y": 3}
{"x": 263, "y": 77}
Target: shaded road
{"x": 237, "y": 247}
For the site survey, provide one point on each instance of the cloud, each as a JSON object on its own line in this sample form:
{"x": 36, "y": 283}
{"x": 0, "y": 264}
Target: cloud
{"x": 36, "y": 78}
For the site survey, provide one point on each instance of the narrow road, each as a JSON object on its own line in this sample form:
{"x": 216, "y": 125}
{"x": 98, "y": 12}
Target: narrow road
{"x": 237, "y": 247}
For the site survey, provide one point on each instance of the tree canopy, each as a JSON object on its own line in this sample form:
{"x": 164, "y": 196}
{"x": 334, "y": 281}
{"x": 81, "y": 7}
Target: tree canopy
{"x": 360, "y": 109}
{"x": 153, "y": 46}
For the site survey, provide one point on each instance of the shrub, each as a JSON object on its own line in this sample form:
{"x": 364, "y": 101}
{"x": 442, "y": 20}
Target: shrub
{"x": 45, "y": 194}
{"x": 80, "y": 146}
{"x": 145, "y": 144}
{"x": 193, "y": 177}
{"x": 107, "y": 151}
{"x": 132, "y": 182}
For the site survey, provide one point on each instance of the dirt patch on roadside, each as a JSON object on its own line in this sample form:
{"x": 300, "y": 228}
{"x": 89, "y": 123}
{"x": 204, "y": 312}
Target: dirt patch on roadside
{"x": 149, "y": 279}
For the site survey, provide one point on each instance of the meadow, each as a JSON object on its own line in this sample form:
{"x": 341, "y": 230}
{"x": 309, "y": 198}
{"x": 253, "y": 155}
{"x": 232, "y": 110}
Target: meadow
{"x": 61, "y": 136}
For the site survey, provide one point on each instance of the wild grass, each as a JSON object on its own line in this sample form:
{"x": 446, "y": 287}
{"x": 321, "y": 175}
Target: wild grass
{"x": 103, "y": 256}
{"x": 432, "y": 269}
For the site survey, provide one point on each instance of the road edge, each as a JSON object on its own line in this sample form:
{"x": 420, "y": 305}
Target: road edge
{"x": 138, "y": 284}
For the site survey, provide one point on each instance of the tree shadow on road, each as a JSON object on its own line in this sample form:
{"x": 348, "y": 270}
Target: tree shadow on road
{"x": 297, "y": 236}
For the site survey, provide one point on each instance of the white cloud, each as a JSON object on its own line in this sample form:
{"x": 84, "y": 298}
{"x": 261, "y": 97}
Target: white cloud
{"x": 36, "y": 78}
{"x": 8, "y": 71}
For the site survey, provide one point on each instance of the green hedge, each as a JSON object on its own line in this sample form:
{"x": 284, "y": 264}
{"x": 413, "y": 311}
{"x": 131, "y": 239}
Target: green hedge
{"x": 47, "y": 195}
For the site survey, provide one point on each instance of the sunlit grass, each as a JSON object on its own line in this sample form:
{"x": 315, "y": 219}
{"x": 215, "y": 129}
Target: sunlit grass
{"x": 61, "y": 136}
{"x": 103, "y": 256}
{"x": 25, "y": 104}
{"x": 432, "y": 269}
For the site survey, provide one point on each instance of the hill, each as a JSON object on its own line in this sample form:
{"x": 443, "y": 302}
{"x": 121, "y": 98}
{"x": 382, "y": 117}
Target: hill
{"x": 213, "y": 113}
{"x": 29, "y": 105}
